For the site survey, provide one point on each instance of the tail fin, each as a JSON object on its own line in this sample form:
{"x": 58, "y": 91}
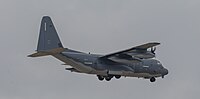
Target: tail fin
{"x": 48, "y": 41}
{"x": 48, "y": 38}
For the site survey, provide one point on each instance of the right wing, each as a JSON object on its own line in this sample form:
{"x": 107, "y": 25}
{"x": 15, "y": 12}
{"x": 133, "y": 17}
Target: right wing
{"x": 134, "y": 53}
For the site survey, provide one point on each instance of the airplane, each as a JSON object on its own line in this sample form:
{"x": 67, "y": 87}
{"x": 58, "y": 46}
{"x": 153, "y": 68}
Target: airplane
{"x": 137, "y": 61}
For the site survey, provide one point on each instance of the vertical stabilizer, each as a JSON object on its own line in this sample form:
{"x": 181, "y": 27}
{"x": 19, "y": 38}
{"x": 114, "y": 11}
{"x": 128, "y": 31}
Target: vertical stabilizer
{"x": 48, "y": 37}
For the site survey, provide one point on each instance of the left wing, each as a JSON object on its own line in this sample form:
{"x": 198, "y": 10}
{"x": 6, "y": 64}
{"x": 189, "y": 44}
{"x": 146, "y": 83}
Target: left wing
{"x": 134, "y": 52}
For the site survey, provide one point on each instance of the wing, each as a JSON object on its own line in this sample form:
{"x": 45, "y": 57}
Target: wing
{"x": 134, "y": 52}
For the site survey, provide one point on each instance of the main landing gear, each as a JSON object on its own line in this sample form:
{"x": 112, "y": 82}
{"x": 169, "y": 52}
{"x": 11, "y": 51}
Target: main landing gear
{"x": 108, "y": 78}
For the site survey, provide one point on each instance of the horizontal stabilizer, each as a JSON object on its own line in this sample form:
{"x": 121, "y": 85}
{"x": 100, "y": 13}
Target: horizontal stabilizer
{"x": 48, "y": 52}
{"x": 38, "y": 54}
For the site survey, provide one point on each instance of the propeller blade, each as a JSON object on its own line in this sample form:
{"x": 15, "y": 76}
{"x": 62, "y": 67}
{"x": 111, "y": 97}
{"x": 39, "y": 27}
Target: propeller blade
{"x": 153, "y": 50}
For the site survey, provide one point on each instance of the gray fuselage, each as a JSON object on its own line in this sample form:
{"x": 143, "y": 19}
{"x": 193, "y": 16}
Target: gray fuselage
{"x": 137, "y": 61}
{"x": 91, "y": 64}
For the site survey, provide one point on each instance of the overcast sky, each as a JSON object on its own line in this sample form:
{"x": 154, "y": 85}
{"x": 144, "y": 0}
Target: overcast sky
{"x": 99, "y": 26}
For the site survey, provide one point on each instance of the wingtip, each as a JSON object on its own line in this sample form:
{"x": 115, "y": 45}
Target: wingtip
{"x": 157, "y": 43}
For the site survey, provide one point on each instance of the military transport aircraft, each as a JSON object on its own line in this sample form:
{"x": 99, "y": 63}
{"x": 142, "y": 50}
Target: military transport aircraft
{"x": 137, "y": 61}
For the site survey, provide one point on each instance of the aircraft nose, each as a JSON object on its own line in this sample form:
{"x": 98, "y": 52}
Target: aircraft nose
{"x": 165, "y": 71}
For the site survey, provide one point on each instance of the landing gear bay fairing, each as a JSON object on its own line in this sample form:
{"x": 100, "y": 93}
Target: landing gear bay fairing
{"x": 137, "y": 61}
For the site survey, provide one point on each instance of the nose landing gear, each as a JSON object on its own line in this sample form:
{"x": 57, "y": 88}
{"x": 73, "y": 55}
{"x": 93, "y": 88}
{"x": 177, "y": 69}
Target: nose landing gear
{"x": 152, "y": 79}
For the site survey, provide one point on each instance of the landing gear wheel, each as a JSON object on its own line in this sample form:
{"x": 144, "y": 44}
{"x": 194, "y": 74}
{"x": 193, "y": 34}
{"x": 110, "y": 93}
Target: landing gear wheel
{"x": 108, "y": 78}
{"x": 117, "y": 76}
{"x": 101, "y": 78}
{"x": 152, "y": 79}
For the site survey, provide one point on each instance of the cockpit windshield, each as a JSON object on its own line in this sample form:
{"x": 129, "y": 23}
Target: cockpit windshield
{"x": 158, "y": 63}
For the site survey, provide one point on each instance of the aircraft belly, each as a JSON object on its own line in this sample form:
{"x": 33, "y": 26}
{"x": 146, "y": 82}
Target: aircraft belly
{"x": 132, "y": 74}
{"x": 144, "y": 75}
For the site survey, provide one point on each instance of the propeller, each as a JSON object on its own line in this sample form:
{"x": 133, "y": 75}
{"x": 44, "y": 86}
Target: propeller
{"x": 153, "y": 50}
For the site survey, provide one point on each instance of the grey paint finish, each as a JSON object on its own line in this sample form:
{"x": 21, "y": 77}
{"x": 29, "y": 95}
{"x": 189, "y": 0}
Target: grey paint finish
{"x": 139, "y": 62}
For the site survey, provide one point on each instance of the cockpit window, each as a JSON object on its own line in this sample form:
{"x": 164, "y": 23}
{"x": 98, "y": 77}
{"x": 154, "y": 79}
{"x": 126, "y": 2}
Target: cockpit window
{"x": 158, "y": 63}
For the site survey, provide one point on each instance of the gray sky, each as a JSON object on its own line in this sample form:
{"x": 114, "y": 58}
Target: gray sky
{"x": 99, "y": 26}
